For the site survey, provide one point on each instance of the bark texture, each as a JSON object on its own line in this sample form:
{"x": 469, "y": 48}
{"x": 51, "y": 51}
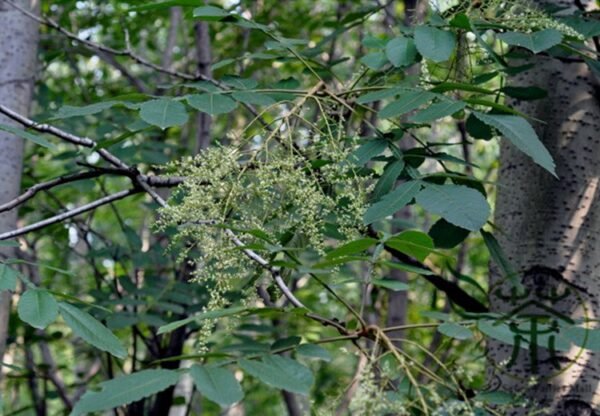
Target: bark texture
{"x": 549, "y": 231}
{"x": 18, "y": 49}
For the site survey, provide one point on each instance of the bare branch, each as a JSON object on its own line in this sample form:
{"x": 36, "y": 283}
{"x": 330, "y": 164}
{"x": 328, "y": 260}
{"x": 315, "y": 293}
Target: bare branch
{"x": 265, "y": 264}
{"x": 31, "y": 192}
{"x": 69, "y": 214}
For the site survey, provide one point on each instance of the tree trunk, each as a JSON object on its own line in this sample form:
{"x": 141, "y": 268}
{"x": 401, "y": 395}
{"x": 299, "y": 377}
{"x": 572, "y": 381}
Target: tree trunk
{"x": 548, "y": 229}
{"x": 18, "y": 50}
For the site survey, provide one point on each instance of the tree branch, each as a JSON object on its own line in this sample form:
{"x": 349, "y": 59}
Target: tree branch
{"x": 70, "y": 213}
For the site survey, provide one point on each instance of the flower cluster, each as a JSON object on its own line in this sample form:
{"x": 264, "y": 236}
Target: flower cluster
{"x": 262, "y": 194}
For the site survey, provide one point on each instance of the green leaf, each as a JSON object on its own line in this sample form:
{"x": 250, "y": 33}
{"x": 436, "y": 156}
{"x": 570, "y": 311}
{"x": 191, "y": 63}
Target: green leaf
{"x": 452, "y": 330}
{"x": 280, "y": 372}
{"x": 401, "y": 51}
{"x": 367, "y": 151}
{"x": 446, "y": 235}
{"x": 379, "y": 95}
{"x": 392, "y": 202}
{"x": 495, "y": 397}
{"x": 587, "y": 27}
{"x": 200, "y": 317}
{"x": 434, "y": 44}
{"x": 353, "y": 247}
{"x": 67, "y": 111}
{"x": 313, "y": 351}
{"x": 407, "y": 102}
{"x": 437, "y": 110}
{"x": 27, "y": 136}
{"x": 9, "y": 243}
{"x": 374, "y": 60}
{"x": 394, "y": 285}
{"x": 8, "y": 278}
{"x": 521, "y": 134}
{"x": 253, "y": 98}
{"x": 498, "y": 255}
{"x": 457, "y": 204}
{"x": 478, "y": 129}
{"x": 216, "y": 384}
{"x": 594, "y": 66}
{"x": 166, "y": 4}
{"x": 388, "y": 178}
{"x": 414, "y": 243}
{"x": 406, "y": 267}
{"x": 125, "y": 389}
{"x": 91, "y": 330}
{"x": 38, "y": 308}
{"x": 536, "y": 42}
{"x": 212, "y": 104}
{"x": 525, "y": 93}
{"x": 210, "y": 13}
{"x": 163, "y": 113}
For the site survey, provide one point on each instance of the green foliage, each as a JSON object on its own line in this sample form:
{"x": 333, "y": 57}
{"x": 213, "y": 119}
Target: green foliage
{"x": 163, "y": 113}
{"x": 459, "y": 205}
{"x": 280, "y": 372}
{"x": 328, "y": 160}
{"x": 125, "y": 389}
{"x": 91, "y": 330}
{"x": 38, "y": 308}
{"x": 8, "y": 277}
{"x": 217, "y": 384}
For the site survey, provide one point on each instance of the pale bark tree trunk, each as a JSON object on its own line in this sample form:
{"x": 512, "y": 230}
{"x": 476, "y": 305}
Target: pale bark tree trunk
{"x": 18, "y": 50}
{"x": 549, "y": 231}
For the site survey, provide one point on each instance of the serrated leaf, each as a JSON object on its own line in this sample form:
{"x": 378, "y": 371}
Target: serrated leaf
{"x": 408, "y": 101}
{"x": 217, "y": 384}
{"x": 91, "y": 330}
{"x": 522, "y": 135}
{"x": 67, "y": 111}
{"x": 374, "y": 60}
{"x": 212, "y": 104}
{"x": 401, "y": 51}
{"x": 38, "y": 308}
{"x": 367, "y": 151}
{"x": 253, "y": 98}
{"x": 27, "y": 136}
{"x": 437, "y": 110}
{"x": 536, "y": 42}
{"x": 125, "y": 389}
{"x": 447, "y": 235}
{"x": 163, "y": 113}
{"x": 457, "y": 204}
{"x": 388, "y": 178}
{"x": 8, "y": 278}
{"x": 353, "y": 247}
{"x": 456, "y": 331}
{"x": 200, "y": 317}
{"x": 280, "y": 372}
{"x": 313, "y": 351}
{"x": 414, "y": 243}
{"x": 434, "y": 44}
{"x": 394, "y": 285}
{"x": 210, "y": 13}
{"x": 392, "y": 202}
